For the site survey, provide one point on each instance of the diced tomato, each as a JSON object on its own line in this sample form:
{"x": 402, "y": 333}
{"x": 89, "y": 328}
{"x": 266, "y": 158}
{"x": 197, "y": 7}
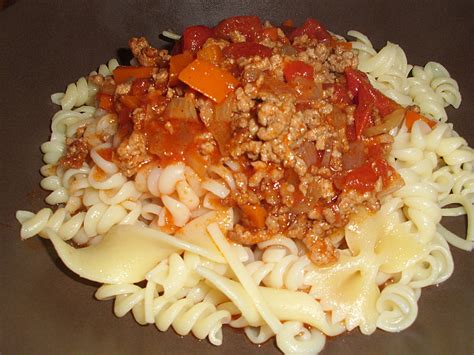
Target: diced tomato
{"x": 384, "y": 104}
{"x": 247, "y": 49}
{"x": 359, "y": 85}
{"x": 362, "y": 179}
{"x": 105, "y": 101}
{"x": 351, "y": 133}
{"x": 141, "y": 86}
{"x": 249, "y": 26}
{"x": 367, "y": 98}
{"x": 362, "y": 117}
{"x": 312, "y": 29}
{"x": 195, "y": 36}
{"x": 298, "y": 68}
{"x": 375, "y": 151}
{"x": 340, "y": 94}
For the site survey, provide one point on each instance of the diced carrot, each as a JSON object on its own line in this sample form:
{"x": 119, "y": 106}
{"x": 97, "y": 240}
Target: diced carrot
{"x": 411, "y": 117}
{"x": 130, "y": 101}
{"x": 212, "y": 54}
{"x": 177, "y": 64}
{"x": 209, "y": 80}
{"x": 105, "y": 101}
{"x": 122, "y": 73}
{"x": 255, "y": 213}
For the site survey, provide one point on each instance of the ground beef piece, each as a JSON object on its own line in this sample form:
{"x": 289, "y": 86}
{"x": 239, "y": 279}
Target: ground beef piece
{"x": 123, "y": 89}
{"x": 76, "y": 153}
{"x": 132, "y": 153}
{"x": 321, "y": 250}
{"x": 342, "y": 59}
{"x": 245, "y": 237}
{"x": 138, "y": 118}
{"x": 147, "y": 55}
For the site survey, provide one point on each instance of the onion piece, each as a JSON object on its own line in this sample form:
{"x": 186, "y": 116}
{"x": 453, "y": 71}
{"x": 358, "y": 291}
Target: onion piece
{"x": 309, "y": 153}
{"x": 355, "y": 156}
{"x": 391, "y": 121}
{"x": 182, "y": 108}
{"x": 219, "y": 125}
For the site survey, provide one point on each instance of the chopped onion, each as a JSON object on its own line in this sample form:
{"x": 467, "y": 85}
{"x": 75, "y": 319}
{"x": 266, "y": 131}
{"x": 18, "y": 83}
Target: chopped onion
{"x": 309, "y": 153}
{"x": 355, "y": 156}
{"x": 391, "y": 121}
{"x": 182, "y": 108}
{"x": 219, "y": 125}
{"x": 307, "y": 90}
{"x": 338, "y": 117}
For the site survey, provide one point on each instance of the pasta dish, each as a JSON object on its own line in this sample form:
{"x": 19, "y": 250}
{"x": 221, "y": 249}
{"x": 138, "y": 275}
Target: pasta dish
{"x": 278, "y": 179}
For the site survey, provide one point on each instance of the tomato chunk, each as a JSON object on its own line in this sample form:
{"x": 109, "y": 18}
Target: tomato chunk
{"x": 249, "y": 26}
{"x": 194, "y": 37}
{"x": 358, "y": 84}
{"x": 367, "y": 98}
{"x": 362, "y": 179}
{"x": 298, "y": 68}
{"x": 247, "y": 49}
{"x": 340, "y": 95}
{"x": 313, "y": 29}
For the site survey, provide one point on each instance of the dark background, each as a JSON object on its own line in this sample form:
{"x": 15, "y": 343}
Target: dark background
{"x": 44, "y": 45}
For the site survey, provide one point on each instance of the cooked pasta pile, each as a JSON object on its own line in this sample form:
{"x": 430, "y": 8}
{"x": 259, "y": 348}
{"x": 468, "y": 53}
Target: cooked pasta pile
{"x": 168, "y": 226}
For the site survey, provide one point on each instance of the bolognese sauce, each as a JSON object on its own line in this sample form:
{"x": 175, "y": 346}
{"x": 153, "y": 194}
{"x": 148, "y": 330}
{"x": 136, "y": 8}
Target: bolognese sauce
{"x": 304, "y": 131}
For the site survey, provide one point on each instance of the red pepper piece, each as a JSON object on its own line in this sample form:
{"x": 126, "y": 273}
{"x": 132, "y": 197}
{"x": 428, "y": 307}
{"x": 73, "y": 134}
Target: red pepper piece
{"x": 298, "y": 68}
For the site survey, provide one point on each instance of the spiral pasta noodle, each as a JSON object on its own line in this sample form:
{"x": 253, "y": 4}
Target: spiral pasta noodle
{"x": 398, "y": 308}
{"x": 430, "y": 87}
{"x": 81, "y": 92}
